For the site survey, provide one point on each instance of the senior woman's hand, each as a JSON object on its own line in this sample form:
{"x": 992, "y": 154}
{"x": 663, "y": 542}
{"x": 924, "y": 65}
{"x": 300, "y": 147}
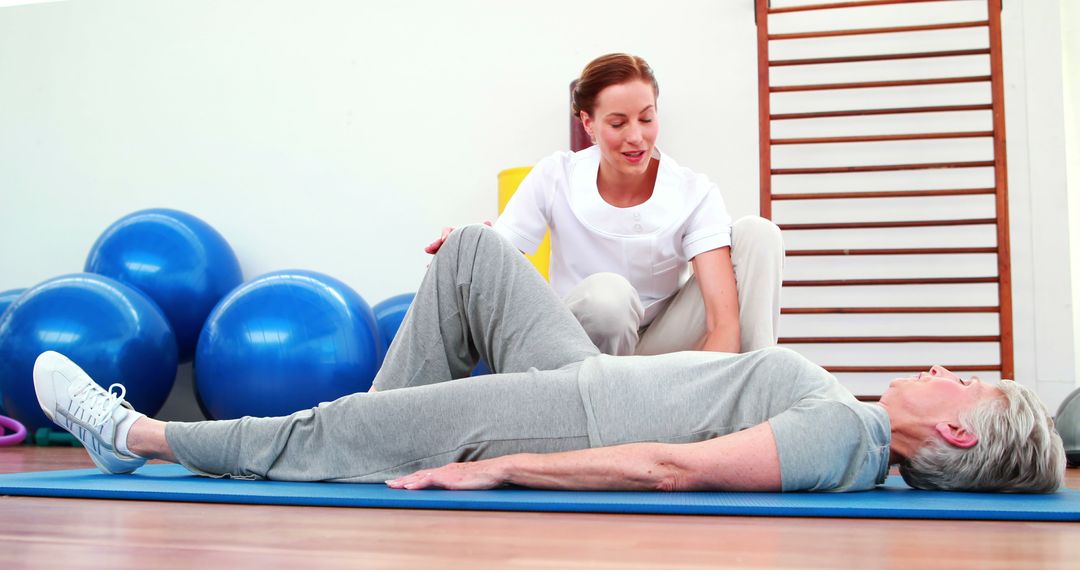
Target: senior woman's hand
{"x": 472, "y": 476}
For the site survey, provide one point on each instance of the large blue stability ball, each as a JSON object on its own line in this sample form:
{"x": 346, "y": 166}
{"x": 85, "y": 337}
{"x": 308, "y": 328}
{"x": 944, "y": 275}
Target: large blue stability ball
{"x": 283, "y": 342}
{"x": 389, "y": 313}
{"x": 6, "y": 299}
{"x": 115, "y": 333}
{"x": 178, "y": 260}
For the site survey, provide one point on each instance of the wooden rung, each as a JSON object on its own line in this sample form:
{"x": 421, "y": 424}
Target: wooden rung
{"x": 879, "y": 57}
{"x": 889, "y": 111}
{"x": 897, "y": 281}
{"x": 882, "y": 168}
{"x": 835, "y": 5}
{"x": 889, "y": 30}
{"x": 914, "y": 368}
{"x": 882, "y": 310}
{"x": 884, "y": 339}
{"x": 891, "y": 224}
{"x": 894, "y": 251}
{"x": 884, "y": 138}
{"x": 883, "y": 194}
{"x": 879, "y": 84}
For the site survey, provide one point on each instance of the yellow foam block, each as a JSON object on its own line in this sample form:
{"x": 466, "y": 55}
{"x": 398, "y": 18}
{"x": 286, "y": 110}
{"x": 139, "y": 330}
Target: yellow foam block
{"x": 509, "y": 180}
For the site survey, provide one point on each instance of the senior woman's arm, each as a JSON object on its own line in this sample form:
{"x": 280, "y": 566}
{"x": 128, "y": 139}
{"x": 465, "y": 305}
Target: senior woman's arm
{"x": 741, "y": 461}
{"x": 716, "y": 278}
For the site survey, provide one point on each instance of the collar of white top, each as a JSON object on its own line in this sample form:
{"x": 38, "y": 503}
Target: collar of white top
{"x": 642, "y": 220}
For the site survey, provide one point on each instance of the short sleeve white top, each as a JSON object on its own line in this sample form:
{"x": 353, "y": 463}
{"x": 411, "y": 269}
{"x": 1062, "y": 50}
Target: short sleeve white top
{"x": 649, "y": 244}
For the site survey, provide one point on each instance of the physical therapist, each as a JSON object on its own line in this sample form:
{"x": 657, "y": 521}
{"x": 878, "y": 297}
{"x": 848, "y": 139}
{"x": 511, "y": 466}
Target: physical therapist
{"x": 626, "y": 222}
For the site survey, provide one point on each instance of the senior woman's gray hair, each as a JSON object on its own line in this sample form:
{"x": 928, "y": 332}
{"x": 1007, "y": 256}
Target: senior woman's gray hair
{"x": 1018, "y": 450}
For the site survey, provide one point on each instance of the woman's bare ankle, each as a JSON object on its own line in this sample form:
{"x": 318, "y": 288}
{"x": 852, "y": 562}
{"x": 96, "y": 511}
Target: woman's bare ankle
{"x": 147, "y": 439}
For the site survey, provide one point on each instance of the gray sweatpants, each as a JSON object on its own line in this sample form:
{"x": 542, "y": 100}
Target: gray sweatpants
{"x": 480, "y": 298}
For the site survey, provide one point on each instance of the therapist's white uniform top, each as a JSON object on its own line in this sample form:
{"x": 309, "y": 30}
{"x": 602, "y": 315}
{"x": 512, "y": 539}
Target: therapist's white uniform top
{"x": 648, "y": 244}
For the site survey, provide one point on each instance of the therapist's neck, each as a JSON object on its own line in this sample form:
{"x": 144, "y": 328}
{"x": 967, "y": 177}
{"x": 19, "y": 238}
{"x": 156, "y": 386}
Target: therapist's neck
{"x": 624, "y": 189}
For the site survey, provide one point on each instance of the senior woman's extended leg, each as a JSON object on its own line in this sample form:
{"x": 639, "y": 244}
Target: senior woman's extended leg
{"x": 373, "y": 437}
{"x": 363, "y": 437}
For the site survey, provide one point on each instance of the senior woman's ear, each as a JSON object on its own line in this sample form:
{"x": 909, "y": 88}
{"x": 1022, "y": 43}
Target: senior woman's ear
{"x": 955, "y": 435}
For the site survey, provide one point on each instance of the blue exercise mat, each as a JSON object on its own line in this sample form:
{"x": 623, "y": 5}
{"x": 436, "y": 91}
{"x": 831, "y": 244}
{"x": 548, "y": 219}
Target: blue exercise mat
{"x": 893, "y": 500}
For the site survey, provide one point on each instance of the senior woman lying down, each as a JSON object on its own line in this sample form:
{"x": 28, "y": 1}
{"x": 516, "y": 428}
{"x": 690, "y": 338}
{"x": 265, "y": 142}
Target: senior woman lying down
{"x": 559, "y": 415}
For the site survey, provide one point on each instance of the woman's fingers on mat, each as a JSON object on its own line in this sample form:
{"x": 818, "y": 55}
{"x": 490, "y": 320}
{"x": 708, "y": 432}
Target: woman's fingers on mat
{"x": 457, "y": 476}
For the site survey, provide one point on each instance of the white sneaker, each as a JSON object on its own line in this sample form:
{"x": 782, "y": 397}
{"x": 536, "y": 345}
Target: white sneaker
{"x": 71, "y": 399}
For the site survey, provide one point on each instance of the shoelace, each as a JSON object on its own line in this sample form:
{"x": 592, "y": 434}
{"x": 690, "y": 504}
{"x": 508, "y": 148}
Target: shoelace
{"x": 98, "y": 403}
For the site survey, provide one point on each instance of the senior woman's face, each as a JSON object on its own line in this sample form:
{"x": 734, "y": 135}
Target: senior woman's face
{"x": 936, "y": 395}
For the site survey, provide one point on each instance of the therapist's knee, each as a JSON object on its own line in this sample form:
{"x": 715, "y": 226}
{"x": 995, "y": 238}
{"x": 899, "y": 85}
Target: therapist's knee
{"x": 759, "y": 235}
{"x": 606, "y": 305}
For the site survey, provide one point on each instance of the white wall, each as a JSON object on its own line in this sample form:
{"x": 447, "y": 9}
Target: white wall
{"x": 1070, "y": 65}
{"x": 1042, "y": 296}
{"x": 339, "y": 136}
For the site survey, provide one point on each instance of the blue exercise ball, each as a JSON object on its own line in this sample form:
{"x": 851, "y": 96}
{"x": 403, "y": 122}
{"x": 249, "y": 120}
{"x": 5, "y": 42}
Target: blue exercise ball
{"x": 6, "y": 299}
{"x": 389, "y": 314}
{"x": 114, "y": 332}
{"x": 178, "y": 260}
{"x": 283, "y": 342}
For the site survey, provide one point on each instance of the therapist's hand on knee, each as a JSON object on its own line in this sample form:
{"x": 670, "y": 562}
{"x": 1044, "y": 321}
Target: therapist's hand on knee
{"x": 434, "y": 246}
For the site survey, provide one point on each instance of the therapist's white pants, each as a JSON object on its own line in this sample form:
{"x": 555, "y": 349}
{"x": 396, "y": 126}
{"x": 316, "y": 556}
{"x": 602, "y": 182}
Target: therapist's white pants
{"x": 610, "y": 311}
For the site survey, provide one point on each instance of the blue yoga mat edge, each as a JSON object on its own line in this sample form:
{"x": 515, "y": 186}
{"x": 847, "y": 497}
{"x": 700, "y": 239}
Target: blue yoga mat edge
{"x": 895, "y": 500}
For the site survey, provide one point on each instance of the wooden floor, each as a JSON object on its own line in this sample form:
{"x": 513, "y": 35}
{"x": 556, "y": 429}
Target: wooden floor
{"x": 73, "y": 533}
